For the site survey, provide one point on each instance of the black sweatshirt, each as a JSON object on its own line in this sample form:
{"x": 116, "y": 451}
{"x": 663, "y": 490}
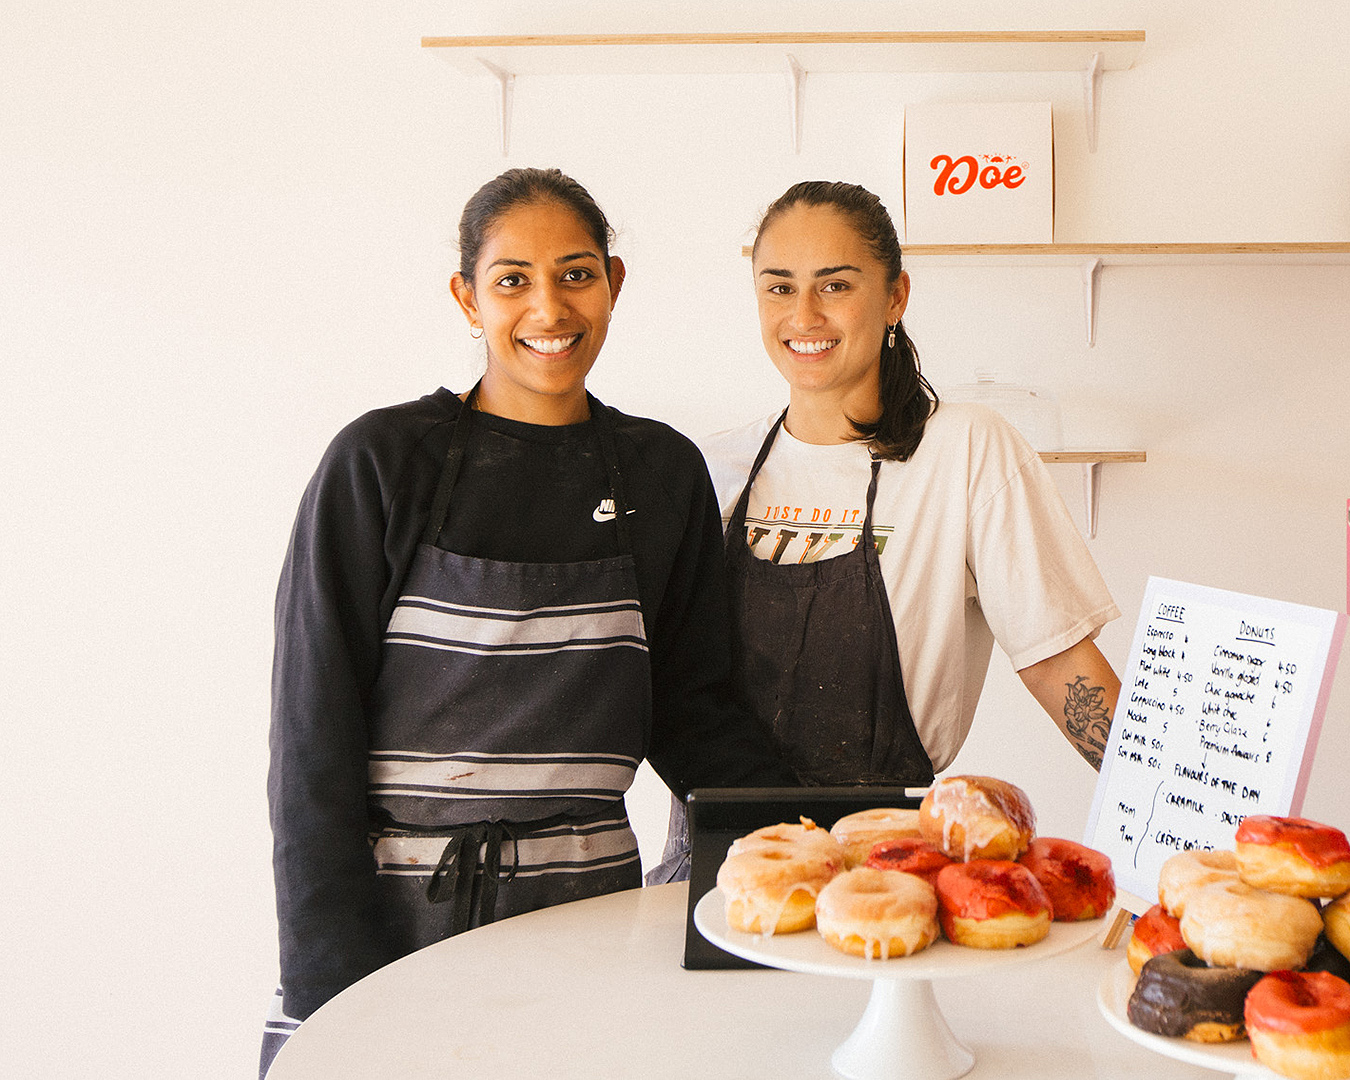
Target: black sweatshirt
{"x": 526, "y": 494}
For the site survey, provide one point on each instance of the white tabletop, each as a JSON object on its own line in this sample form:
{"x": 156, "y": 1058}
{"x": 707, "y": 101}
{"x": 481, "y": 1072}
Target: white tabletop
{"x": 595, "y": 990}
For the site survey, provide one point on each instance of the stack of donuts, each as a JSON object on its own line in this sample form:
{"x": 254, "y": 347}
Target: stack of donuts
{"x": 1253, "y": 941}
{"x": 886, "y": 883}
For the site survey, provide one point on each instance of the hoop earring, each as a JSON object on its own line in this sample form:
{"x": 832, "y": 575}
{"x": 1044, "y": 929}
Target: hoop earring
{"x": 890, "y": 337}
{"x": 478, "y": 336}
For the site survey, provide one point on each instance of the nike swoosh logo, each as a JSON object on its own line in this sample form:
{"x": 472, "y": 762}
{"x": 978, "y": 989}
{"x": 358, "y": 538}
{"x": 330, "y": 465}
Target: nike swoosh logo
{"x": 605, "y": 511}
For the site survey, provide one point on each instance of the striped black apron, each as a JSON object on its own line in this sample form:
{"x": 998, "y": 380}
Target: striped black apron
{"x": 508, "y": 721}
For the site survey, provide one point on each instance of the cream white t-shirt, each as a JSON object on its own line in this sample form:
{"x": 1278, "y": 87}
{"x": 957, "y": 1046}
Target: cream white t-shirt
{"x": 975, "y": 543}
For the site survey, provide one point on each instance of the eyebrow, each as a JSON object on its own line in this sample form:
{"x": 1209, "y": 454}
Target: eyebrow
{"x": 574, "y": 257}
{"x": 824, "y": 271}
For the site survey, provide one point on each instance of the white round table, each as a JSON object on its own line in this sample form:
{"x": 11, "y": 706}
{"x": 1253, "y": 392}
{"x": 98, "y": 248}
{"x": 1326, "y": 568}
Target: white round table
{"x": 594, "y": 990}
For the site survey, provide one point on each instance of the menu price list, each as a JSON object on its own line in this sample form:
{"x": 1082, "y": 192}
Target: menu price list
{"x": 1217, "y": 719}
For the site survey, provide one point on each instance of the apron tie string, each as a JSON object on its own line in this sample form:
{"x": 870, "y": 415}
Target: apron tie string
{"x": 452, "y": 882}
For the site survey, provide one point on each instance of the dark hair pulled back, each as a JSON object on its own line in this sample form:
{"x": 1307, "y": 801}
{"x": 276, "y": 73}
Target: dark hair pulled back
{"x": 521, "y": 187}
{"x": 907, "y": 399}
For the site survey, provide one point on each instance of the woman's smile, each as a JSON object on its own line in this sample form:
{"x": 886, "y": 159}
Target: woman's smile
{"x": 803, "y": 347}
{"x": 550, "y": 346}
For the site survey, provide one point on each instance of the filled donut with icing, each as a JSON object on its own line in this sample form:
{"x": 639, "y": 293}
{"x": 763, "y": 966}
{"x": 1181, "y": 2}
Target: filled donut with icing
{"x": 1293, "y": 855}
{"x": 992, "y": 904}
{"x": 910, "y": 855}
{"x": 977, "y": 817}
{"x": 1077, "y": 878}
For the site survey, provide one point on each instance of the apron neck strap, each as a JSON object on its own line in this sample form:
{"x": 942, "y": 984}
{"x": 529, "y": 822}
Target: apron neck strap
{"x": 736, "y": 526}
{"x": 454, "y": 459}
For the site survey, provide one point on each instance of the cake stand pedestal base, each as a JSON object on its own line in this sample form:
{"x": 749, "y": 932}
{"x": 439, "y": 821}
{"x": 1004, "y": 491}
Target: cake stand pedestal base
{"x": 902, "y": 1036}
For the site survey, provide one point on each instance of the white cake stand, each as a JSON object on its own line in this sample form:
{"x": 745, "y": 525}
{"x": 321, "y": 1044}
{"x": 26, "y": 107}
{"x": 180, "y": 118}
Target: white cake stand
{"x": 902, "y": 1034}
{"x": 1235, "y": 1058}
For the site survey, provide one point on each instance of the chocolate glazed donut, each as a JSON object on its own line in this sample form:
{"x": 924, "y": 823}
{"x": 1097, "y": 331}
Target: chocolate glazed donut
{"x": 1178, "y": 994}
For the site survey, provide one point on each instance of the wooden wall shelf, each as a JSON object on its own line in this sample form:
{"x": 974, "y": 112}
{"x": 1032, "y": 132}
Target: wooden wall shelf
{"x": 1092, "y": 462}
{"x": 794, "y": 53}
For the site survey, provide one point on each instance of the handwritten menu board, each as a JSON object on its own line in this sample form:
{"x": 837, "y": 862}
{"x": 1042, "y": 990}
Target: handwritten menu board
{"x": 1220, "y": 708}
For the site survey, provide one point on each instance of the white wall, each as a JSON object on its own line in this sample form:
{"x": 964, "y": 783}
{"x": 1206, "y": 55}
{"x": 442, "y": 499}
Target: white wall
{"x": 227, "y": 230}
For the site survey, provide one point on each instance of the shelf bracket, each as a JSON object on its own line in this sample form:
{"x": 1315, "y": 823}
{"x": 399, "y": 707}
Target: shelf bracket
{"x": 1092, "y": 270}
{"x": 506, "y": 84}
{"x": 1092, "y": 489}
{"x": 796, "y": 100}
{"x": 1092, "y": 84}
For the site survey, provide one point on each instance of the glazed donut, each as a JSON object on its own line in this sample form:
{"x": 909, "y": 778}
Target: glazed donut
{"x": 1299, "y": 1024}
{"x": 772, "y": 889}
{"x": 977, "y": 817}
{"x": 858, "y": 833}
{"x": 1336, "y": 924}
{"x": 992, "y": 904}
{"x": 1182, "y": 874}
{"x": 1231, "y": 924}
{"x": 877, "y": 913}
{"x": 1155, "y": 934}
{"x": 1178, "y": 994}
{"x": 910, "y": 855}
{"x": 806, "y": 834}
{"x": 1077, "y": 879}
{"x": 1294, "y": 856}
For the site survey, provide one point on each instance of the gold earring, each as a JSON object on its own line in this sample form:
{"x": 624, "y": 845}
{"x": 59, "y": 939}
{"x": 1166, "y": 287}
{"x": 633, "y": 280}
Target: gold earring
{"x": 479, "y": 335}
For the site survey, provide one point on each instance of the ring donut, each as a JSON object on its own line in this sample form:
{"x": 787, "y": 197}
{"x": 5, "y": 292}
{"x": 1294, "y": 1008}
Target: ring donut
{"x": 1155, "y": 933}
{"x": 771, "y": 877}
{"x": 1299, "y": 1024}
{"x": 859, "y": 832}
{"x": 1231, "y": 924}
{"x": 1187, "y": 871}
{"x": 807, "y": 833}
{"x": 877, "y": 914}
{"x": 1179, "y": 995}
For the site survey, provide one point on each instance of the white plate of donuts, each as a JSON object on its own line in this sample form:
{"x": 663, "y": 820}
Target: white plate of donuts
{"x": 1244, "y": 963}
{"x": 959, "y": 885}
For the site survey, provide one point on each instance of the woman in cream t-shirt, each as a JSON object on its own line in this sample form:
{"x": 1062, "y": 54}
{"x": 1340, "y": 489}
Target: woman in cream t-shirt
{"x": 878, "y": 543}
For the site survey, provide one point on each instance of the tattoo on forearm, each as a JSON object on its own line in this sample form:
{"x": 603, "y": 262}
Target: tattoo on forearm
{"x": 1087, "y": 720}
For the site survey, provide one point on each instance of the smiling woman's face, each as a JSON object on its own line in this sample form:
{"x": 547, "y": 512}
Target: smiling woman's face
{"x": 543, "y": 295}
{"x": 824, "y": 305}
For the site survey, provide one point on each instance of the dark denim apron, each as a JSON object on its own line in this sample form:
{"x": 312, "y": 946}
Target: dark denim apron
{"x": 814, "y": 656}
